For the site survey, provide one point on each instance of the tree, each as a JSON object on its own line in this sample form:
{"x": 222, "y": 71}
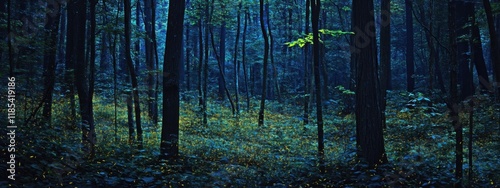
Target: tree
{"x": 385, "y": 52}
{"x": 477, "y": 53}
{"x": 410, "y": 65}
{"x": 462, "y": 25}
{"x": 53, "y": 13}
{"x": 77, "y": 55}
{"x": 235, "y": 59}
{"x": 494, "y": 48}
{"x": 453, "y": 101}
{"x": 315, "y": 10}
{"x": 169, "y": 147}
{"x": 150, "y": 59}
{"x": 266, "y": 57}
{"x": 133, "y": 77}
{"x": 369, "y": 133}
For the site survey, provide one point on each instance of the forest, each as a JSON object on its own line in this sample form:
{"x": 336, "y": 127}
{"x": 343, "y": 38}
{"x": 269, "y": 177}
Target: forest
{"x": 250, "y": 93}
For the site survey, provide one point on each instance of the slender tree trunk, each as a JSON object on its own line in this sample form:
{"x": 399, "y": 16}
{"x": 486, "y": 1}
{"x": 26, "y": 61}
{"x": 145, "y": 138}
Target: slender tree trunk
{"x": 169, "y": 147}
{"x": 454, "y": 92}
{"x": 222, "y": 62}
{"x": 385, "y": 54}
{"x": 200, "y": 63}
{"x": 494, "y": 48}
{"x": 266, "y": 57}
{"x": 187, "y": 71}
{"x": 307, "y": 82}
{"x": 410, "y": 65}
{"x": 245, "y": 24}
{"x": 221, "y": 73}
{"x": 315, "y": 7}
{"x": 477, "y": 54}
{"x": 205, "y": 65}
{"x": 133, "y": 77}
{"x": 137, "y": 43}
{"x": 69, "y": 71}
{"x": 236, "y": 63}
{"x": 52, "y": 13}
{"x": 463, "y": 30}
{"x": 150, "y": 60}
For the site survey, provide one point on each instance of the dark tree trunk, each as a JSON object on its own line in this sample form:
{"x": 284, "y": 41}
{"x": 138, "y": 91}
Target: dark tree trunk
{"x": 307, "y": 81}
{"x": 137, "y": 43}
{"x": 385, "y": 54}
{"x": 52, "y": 13}
{"x": 462, "y": 28}
{"x": 221, "y": 73}
{"x": 453, "y": 102}
{"x": 150, "y": 60}
{"x": 494, "y": 48}
{"x": 477, "y": 53}
{"x": 205, "y": 65}
{"x": 410, "y": 64}
{"x": 169, "y": 147}
{"x": 266, "y": 57}
{"x": 315, "y": 7}
{"x": 80, "y": 73}
{"x": 236, "y": 63}
{"x": 369, "y": 125}
{"x": 133, "y": 77}
{"x": 244, "y": 62}
{"x": 222, "y": 62}
{"x": 187, "y": 70}
{"x": 69, "y": 72}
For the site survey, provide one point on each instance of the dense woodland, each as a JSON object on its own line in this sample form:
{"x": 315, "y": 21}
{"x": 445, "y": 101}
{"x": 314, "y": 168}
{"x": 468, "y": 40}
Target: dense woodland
{"x": 247, "y": 93}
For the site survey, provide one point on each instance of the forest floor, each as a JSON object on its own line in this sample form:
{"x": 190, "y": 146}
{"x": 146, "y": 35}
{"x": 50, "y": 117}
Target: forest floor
{"x": 235, "y": 152}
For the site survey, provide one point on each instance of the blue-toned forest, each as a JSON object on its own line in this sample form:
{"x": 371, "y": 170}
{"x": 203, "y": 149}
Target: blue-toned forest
{"x": 250, "y": 93}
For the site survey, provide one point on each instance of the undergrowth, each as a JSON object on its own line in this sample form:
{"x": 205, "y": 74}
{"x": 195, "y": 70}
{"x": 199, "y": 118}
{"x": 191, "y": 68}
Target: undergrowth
{"x": 234, "y": 151}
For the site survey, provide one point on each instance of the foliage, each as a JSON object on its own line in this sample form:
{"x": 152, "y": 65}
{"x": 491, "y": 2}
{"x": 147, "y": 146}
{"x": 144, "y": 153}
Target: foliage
{"x": 308, "y": 39}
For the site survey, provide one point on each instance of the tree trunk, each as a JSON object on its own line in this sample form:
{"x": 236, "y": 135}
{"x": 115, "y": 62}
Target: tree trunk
{"x": 307, "y": 81}
{"x": 82, "y": 86}
{"x": 410, "y": 65}
{"x": 133, "y": 77}
{"x": 462, "y": 28}
{"x": 150, "y": 60}
{"x": 236, "y": 63}
{"x": 454, "y": 92}
{"x": 243, "y": 51}
{"x": 385, "y": 54}
{"x": 53, "y": 13}
{"x": 369, "y": 118}
{"x": 222, "y": 62}
{"x": 477, "y": 54}
{"x": 494, "y": 48}
{"x": 315, "y": 7}
{"x": 169, "y": 147}
{"x": 266, "y": 57}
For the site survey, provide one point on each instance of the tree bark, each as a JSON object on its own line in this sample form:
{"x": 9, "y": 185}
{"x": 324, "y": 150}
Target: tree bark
{"x": 477, "y": 53}
{"x": 133, "y": 77}
{"x": 369, "y": 125}
{"x": 410, "y": 64}
{"x": 265, "y": 63}
{"x": 315, "y": 7}
{"x": 453, "y": 102}
{"x": 494, "y": 48}
{"x": 150, "y": 60}
{"x": 169, "y": 147}
{"x": 52, "y": 13}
